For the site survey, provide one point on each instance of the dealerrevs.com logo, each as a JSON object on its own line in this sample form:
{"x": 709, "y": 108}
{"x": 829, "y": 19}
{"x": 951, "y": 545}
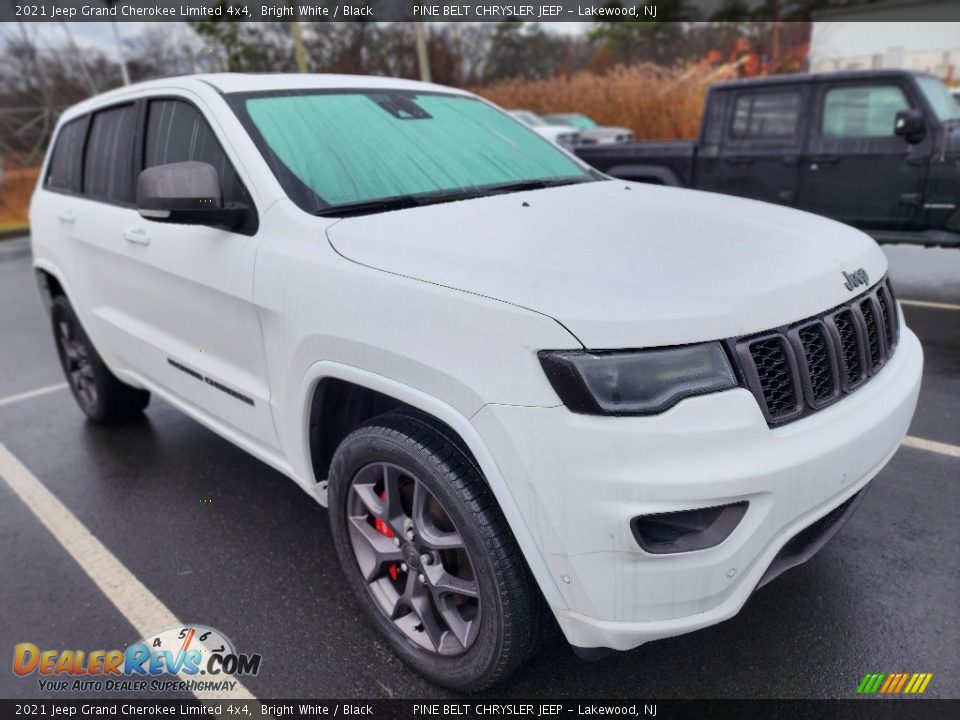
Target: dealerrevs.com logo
{"x": 200, "y": 657}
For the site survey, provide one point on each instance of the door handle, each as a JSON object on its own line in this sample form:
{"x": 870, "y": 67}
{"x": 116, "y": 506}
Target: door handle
{"x": 67, "y": 216}
{"x": 739, "y": 160}
{"x": 825, "y": 159}
{"x": 136, "y": 236}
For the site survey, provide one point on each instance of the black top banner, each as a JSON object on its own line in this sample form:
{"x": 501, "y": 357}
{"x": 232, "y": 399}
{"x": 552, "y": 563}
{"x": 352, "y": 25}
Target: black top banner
{"x": 464, "y": 11}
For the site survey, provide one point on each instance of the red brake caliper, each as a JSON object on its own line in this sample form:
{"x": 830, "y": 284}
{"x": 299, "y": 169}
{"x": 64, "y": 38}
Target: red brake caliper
{"x": 381, "y": 527}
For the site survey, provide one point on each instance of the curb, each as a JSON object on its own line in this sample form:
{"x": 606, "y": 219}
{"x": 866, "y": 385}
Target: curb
{"x": 14, "y": 232}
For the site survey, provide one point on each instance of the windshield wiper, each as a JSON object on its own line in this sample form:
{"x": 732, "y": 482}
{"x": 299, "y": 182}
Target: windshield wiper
{"x": 401, "y": 202}
{"x": 397, "y": 202}
{"x": 521, "y": 185}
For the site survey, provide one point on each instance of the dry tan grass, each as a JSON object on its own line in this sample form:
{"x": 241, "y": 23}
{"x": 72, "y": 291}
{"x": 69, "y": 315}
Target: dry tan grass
{"x": 15, "y": 196}
{"x": 656, "y": 102}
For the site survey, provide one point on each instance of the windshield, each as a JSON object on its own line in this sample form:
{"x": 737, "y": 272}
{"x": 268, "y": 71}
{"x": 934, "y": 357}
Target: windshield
{"x": 943, "y": 104}
{"x": 528, "y": 117}
{"x": 331, "y": 149}
{"x": 580, "y": 122}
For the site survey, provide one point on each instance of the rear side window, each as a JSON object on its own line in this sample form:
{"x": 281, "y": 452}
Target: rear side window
{"x": 764, "y": 116}
{"x": 177, "y": 132}
{"x": 864, "y": 111}
{"x": 67, "y": 159}
{"x": 108, "y": 165}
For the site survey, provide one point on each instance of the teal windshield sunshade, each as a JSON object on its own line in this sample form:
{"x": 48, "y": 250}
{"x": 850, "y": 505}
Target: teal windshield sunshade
{"x": 349, "y": 147}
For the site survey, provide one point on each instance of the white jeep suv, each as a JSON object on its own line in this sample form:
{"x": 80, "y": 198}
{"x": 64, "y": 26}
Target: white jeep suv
{"x": 530, "y": 395}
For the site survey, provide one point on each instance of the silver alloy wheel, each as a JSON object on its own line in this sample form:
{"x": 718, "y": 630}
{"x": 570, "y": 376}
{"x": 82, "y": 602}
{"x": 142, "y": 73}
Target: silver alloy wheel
{"x": 78, "y": 365}
{"x": 413, "y": 559}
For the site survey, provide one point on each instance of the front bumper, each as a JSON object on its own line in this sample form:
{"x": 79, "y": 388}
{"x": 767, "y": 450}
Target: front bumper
{"x": 579, "y": 480}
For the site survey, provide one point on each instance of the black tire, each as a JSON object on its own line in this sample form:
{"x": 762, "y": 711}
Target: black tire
{"x": 505, "y": 617}
{"x": 101, "y": 396}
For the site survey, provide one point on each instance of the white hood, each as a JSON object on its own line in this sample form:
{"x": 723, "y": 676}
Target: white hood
{"x": 624, "y": 265}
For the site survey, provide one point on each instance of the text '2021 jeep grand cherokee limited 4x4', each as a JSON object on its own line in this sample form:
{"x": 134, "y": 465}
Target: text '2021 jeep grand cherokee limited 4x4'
{"x": 524, "y": 390}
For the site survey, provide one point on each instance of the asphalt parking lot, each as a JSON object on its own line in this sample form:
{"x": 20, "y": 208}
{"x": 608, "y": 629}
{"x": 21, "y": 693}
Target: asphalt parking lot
{"x": 223, "y": 540}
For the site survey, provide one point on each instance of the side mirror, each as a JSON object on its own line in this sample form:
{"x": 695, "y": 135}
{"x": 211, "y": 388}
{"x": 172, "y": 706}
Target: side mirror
{"x": 187, "y": 193}
{"x": 908, "y": 124}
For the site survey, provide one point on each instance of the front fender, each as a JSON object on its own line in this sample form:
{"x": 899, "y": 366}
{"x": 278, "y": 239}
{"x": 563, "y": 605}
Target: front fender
{"x": 461, "y": 425}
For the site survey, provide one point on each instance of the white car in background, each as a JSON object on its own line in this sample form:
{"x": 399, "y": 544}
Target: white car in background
{"x": 563, "y": 135}
{"x": 530, "y": 395}
{"x": 591, "y": 132}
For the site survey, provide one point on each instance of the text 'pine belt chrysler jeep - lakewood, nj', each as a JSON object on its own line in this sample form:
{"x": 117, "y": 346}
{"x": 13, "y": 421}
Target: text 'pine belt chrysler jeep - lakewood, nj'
{"x": 528, "y": 393}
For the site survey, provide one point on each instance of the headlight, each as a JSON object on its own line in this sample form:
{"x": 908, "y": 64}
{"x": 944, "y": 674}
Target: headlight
{"x": 643, "y": 382}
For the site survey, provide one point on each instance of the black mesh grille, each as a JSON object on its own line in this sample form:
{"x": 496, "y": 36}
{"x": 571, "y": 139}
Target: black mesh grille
{"x": 873, "y": 335}
{"x": 817, "y": 354}
{"x": 888, "y": 328}
{"x": 849, "y": 346}
{"x": 803, "y": 367}
{"x": 776, "y": 377}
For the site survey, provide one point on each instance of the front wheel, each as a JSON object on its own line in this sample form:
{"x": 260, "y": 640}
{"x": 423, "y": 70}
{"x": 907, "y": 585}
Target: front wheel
{"x": 429, "y": 555}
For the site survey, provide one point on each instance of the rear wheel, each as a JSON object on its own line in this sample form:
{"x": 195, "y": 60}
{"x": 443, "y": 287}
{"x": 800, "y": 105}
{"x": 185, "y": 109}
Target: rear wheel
{"x": 428, "y": 553}
{"x": 97, "y": 391}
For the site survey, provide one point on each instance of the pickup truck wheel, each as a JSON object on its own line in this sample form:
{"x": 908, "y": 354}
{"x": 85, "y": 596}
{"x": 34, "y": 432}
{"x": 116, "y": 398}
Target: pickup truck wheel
{"x": 428, "y": 553}
{"x": 97, "y": 391}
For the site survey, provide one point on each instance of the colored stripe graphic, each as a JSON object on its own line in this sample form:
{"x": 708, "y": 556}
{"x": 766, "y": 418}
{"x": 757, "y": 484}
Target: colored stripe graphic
{"x": 894, "y": 683}
{"x": 870, "y": 683}
{"x": 903, "y": 680}
{"x": 918, "y": 683}
{"x": 891, "y": 683}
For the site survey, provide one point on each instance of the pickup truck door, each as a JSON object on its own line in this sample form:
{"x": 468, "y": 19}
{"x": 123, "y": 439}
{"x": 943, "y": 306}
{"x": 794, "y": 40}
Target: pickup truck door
{"x": 191, "y": 288}
{"x": 855, "y": 169}
{"x": 760, "y": 153}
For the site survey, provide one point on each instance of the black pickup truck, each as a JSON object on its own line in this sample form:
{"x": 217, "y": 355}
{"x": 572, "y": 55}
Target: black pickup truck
{"x": 879, "y": 150}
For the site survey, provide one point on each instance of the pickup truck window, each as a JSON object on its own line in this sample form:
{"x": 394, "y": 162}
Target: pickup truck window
{"x": 943, "y": 103}
{"x": 342, "y": 148}
{"x": 760, "y": 116}
{"x": 862, "y": 111}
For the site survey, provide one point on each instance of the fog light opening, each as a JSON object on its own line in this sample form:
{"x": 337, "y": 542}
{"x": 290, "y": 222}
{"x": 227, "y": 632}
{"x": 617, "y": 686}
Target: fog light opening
{"x": 687, "y": 530}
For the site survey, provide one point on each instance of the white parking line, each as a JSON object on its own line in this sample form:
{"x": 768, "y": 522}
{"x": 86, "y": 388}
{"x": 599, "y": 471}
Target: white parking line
{"x": 11, "y": 399}
{"x": 928, "y": 304}
{"x": 136, "y": 603}
{"x": 932, "y": 446}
